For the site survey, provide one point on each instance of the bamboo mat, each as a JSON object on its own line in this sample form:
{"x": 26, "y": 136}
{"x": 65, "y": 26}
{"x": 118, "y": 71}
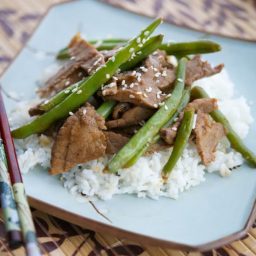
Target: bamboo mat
{"x": 18, "y": 18}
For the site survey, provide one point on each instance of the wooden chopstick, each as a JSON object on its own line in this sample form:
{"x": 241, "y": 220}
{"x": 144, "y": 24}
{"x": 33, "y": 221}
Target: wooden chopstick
{"x": 9, "y": 207}
{"x": 25, "y": 216}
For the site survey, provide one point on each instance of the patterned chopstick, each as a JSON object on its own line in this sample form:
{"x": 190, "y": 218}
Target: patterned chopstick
{"x": 9, "y": 207}
{"x": 25, "y": 216}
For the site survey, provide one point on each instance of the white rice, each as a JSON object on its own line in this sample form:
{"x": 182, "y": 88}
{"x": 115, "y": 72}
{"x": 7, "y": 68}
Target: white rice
{"x": 144, "y": 178}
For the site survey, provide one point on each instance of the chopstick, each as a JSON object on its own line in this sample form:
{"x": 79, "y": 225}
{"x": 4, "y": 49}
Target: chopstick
{"x": 25, "y": 216}
{"x": 9, "y": 207}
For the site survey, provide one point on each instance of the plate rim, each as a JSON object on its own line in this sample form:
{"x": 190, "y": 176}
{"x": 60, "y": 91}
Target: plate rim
{"x": 119, "y": 232}
{"x": 144, "y": 239}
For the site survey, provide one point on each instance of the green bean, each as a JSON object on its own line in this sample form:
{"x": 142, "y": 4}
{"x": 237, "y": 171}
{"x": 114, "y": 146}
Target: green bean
{"x": 59, "y": 97}
{"x": 183, "y": 103}
{"x": 181, "y": 141}
{"x": 153, "y": 125}
{"x": 187, "y": 48}
{"x": 106, "y": 108}
{"x": 86, "y": 89}
{"x": 104, "y": 44}
{"x": 150, "y": 46}
{"x": 234, "y": 139}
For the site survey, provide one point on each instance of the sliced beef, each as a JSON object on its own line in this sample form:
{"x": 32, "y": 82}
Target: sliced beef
{"x": 79, "y": 140}
{"x": 137, "y": 87}
{"x": 119, "y": 109}
{"x": 168, "y": 134}
{"x": 208, "y": 134}
{"x": 204, "y": 105}
{"x": 115, "y": 141}
{"x": 163, "y": 70}
{"x": 84, "y": 60}
{"x": 132, "y": 116}
{"x": 197, "y": 69}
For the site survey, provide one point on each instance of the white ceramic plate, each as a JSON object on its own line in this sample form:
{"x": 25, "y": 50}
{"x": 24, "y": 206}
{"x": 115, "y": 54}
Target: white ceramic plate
{"x": 216, "y": 212}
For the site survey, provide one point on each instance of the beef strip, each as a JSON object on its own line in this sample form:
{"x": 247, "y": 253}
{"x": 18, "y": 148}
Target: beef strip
{"x": 132, "y": 116}
{"x": 168, "y": 134}
{"x": 115, "y": 141}
{"x": 208, "y": 134}
{"x": 84, "y": 60}
{"x": 119, "y": 109}
{"x": 137, "y": 87}
{"x": 79, "y": 140}
{"x": 197, "y": 69}
{"x": 204, "y": 105}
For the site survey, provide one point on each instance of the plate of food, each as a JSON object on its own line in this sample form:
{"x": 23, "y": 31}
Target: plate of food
{"x": 134, "y": 127}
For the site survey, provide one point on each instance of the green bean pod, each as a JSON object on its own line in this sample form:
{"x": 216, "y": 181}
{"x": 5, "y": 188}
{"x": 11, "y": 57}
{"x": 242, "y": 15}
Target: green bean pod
{"x": 59, "y": 97}
{"x": 106, "y": 108}
{"x": 234, "y": 139}
{"x": 180, "y": 143}
{"x": 87, "y": 88}
{"x": 152, "y": 126}
{"x": 187, "y": 48}
{"x": 149, "y": 47}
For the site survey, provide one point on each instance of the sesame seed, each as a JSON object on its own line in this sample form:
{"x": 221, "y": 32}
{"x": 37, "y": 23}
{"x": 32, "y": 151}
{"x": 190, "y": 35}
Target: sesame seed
{"x": 174, "y": 128}
{"x": 161, "y": 104}
{"x": 164, "y": 73}
{"x": 131, "y": 96}
{"x": 138, "y": 40}
{"x": 155, "y": 69}
{"x": 155, "y": 53}
{"x": 143, "y": 41}
{"x": 155, "y": 105}
{"x": 149, "y": 89}
{"x": 165, "y": 107}
{"x": 123, "y": 82}
{"x": 80, "y": 74}
{"x": 157, "y": 81}
{"x": 180, "y": 80}
{"x": 157, "y": 74}
{"x": 131, "y": 85}
{"x": 75, "y": 89}
{"x": 113, "y": 58}
{"x": 139, "y": 52}
{"x": 67, "y": 91}
{"x": 141, "y": 123}
{"x": 107, "y": 76}
{"x": 79, "y": 92}
{"x": 139, "y": 93}
{"x": 131, "y": 50}
{"x": 145, "y": 95}
{"x": 67, "y": 82}
{"x": 140, "y": 45}
{"x": 71, "y": 113}
{"x": 73, "y": 58}
{"x": 158, "y": 95}
{"x": 84, "y": 111}
{"x": 144, "y": 69}
{"x": 146, "y": 33}
{"x": 134, "y": 73}
{"x": 46, "y": 101}
{"x": 115, "y": 78}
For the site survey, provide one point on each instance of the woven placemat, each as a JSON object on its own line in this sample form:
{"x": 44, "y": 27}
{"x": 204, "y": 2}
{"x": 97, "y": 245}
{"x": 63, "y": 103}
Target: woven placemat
{"x": 57, "y": 237}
